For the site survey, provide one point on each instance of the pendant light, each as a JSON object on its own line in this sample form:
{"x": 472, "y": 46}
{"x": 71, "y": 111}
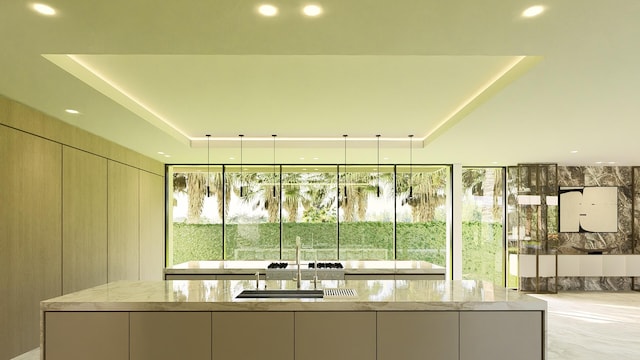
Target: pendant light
{"x": 274, "y": 165}
{"x": 378, "y": 186}
{"x": 410, "y": 167}
{"x": 345, "y": 169}
{"x": 208, "y": 166}
{"x": 241, "y": 177}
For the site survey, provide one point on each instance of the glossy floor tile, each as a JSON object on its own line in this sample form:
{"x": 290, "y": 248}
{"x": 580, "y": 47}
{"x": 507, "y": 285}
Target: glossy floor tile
{"x": 593, "y": 325}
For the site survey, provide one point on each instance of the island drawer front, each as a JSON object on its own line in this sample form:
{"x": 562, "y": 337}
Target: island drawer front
{"x": 252, "y": 335}
{"x": 170, "y": 335}
{"x": 338, "y": 335}
{"x": 87, "y": 335}
{"x": 411, "y": 335}
{"x": 495, "y": 335}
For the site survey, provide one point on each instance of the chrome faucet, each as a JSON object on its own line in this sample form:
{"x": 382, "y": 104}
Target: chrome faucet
{"x": 299, "y": 275}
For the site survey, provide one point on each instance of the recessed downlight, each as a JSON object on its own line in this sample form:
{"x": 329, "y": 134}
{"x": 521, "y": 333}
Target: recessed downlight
{"x": 72, "y": 111}
{"x": 161, "y": 152}
{"x": 43, "y": 9}
{"x": 533, "y": 11}
{"x": 574, "y": 151}
{"x": 312, "y": 10}
{"x": 268, "y": 10}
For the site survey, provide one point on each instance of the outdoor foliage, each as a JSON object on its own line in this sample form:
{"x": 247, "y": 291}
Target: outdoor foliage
{"x": 482, "y": 246}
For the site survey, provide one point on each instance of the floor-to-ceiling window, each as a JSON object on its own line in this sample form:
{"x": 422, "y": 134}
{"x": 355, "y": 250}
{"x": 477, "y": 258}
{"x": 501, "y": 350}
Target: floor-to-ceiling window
{"x": 309, "y": 211}
{"x": 482, "y": 224}
{"x": 256, "y": 212}
{"x": 252, "y": 213}
{"x": 366, "y": 212}
{"x": 195, "y": 216}
{"x": 421, "y": 212}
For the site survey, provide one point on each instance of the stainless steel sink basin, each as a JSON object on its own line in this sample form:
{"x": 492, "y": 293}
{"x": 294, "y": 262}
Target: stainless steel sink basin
{"x": 278, "y": 293}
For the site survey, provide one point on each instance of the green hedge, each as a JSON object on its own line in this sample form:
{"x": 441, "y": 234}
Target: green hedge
{"x": 482, "y": 243}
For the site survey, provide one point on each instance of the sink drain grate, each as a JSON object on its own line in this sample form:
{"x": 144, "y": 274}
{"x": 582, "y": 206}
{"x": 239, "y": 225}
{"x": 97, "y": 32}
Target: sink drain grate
{"x": 340, "y": 293}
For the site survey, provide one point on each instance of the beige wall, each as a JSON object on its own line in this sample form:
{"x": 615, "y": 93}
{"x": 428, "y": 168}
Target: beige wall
{"x": 75, "y": 211}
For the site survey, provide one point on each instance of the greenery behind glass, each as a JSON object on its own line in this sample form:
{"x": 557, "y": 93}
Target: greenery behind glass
{"x": 280, "y": 203}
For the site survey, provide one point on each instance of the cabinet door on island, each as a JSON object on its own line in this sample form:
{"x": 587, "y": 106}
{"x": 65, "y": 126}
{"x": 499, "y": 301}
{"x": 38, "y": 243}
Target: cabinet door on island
{"x": 412, "y": 335}
{"x": 170, "y": 335}
{"x": 87, "y": 335}
{"x": 497, "y": 335}
{"x": 336, "y": 335}
{"x": 252, "y": 335}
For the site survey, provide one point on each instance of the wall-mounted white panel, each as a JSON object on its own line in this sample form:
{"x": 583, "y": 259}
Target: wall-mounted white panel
{"x": 568, "y": 265}
{"x": 547, "y": 265}
{"x": 614, "y": 265}
{"x": 590, "y": 265}
{"x": 632, "y": 264}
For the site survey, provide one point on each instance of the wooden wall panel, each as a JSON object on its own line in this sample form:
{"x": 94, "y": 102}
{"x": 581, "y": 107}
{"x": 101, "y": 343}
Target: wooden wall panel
{"x": 30, "y": 233}
{"x": 123, "y": 222}
{"x": 151, "y": 226}
{"x": 84, "y": 220}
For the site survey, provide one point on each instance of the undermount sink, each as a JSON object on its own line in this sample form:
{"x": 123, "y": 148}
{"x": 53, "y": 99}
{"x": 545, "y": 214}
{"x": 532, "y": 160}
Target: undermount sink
{"x": 279, "y": 293}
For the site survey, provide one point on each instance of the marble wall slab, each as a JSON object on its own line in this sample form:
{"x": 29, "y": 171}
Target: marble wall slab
{"x": 620, "y": 242}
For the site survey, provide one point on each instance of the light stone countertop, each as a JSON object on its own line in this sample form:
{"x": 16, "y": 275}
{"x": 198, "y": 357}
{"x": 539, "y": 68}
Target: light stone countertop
{"x": 250, "y": 267}
{"x": 219, "y": 295}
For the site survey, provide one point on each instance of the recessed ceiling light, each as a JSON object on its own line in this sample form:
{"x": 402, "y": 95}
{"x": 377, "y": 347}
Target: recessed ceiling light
{"x": 611, "y": 162}
{"x": 301, "y": 158}
{"x": 72, "y": 111}
{"x": 167, "y": 155}
{"x": 533, "y": 11}
{"x": 268, "y": 10}
{"x": 161, "y": 152}
{"x": 231, "y": 158}
{"x": 574, "y": 151}
{"x": 385, "y": 158}
{"x": 315, "y": 158}
{"x": 44, "y": 9}
{"x": 312, "y": 10}
{"x": 598, "y": 162}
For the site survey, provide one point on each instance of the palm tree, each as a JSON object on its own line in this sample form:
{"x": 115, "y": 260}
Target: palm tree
{"x": 358, "y": 188}
{"x": 428, "y": 193}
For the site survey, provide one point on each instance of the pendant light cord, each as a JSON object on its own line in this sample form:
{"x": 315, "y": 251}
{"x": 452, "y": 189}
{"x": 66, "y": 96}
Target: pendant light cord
{"x": 378, "y": 187}
{"x": 410, "y": 166}
{"x": 208, "y": 166}
{"x": 241, "y": 173}
{"x": 274, "y": 165}
{"x": 345, "y": 168}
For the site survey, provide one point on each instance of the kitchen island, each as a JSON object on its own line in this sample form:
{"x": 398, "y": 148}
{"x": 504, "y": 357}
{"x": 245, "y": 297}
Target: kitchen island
{"x": 381, "y": 319}
{"x": 352, "y": 270}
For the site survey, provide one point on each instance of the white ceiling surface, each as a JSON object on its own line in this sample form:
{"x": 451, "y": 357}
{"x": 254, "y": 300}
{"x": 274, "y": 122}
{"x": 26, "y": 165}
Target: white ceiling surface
{"x": 474, "y": 81}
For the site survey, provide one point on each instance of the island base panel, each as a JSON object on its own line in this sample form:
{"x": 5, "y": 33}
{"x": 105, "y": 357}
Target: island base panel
{"x": 86, "y": 335}
{"x": 411, "y": 335}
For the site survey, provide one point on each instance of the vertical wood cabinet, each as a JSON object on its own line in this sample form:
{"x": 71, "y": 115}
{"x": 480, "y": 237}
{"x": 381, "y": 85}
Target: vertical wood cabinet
{"x": 84, "y": 220}
{"x": 151, "y": 226}
{"x": 490, "y": 335}
{"x": 418, "y": 335}
{"x": 123, "y": 227}
{"x": 170, "y": 335}
{"x": 30, "y": 235}
{"x": 335, "y": 335}
{"x": 253, "y": 335}
{"x": 87, "y": 335}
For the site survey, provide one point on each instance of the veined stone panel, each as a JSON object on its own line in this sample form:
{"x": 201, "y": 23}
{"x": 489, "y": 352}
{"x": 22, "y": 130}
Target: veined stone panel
{"x": 618, "y": 243}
